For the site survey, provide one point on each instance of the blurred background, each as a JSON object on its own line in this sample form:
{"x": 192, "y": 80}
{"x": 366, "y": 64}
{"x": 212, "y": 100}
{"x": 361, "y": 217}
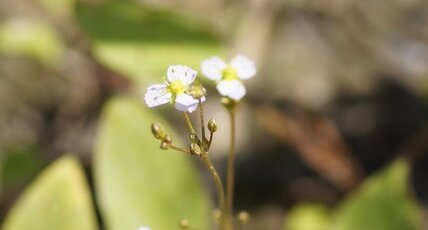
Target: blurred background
{"x": 334, "y": 131}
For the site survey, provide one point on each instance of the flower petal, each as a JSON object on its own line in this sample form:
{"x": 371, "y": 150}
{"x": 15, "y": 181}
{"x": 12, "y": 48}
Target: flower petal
{"x": 244, "y": 66}
{"x": 180, "y": 72}
{"x": 213, "y": 67}
{"x": 233, "y": 89}
{"x": 185, "y": 102}
{"x": 157, "y": 94}
{"x": 192, "y": 108}
{"x": 195, "y": 106}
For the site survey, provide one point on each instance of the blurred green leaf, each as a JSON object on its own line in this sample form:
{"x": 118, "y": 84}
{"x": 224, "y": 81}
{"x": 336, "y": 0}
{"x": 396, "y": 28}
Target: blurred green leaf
{"x": 20, "y": 164}
{"x": 382, "y": 202}
{"x": 141, "y": 42}
{"x": 137, "y": 183}
{"x": 63, "y": 7}
{"x": 308, "y": 217}
{"x": 29, "y": 37}
{"x": 58, "y": 199}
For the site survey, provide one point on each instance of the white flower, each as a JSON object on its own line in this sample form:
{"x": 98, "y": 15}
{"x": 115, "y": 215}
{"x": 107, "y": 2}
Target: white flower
{"x": 144, "y": 228}
{"x": 229, "y": 77}
{"x": 175, "y": 90}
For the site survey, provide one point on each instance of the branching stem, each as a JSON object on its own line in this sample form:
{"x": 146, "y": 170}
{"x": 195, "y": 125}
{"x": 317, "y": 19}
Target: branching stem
{"x": 180, "y": 149}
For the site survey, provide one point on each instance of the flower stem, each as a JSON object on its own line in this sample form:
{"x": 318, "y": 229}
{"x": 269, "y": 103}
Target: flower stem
{"x": 184, "y": 150}
{"x": 220, "y": 191}
{"x": 201, "y": 112}
{"x": 231, "y": 165}
{"x": 210, "y": 140}
{"x": 189, "y": 123}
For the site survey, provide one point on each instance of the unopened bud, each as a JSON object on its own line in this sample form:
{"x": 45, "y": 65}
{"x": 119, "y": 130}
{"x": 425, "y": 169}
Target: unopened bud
{"x": 157, "y": 131}
{"x": 229, "y": 103}
{"x": 184, "y": 224}
{"x": 198, "y": 91}
{"x": 212, "y": 125}
{"x": 243, "y": 217}
{"x": 216, "y": 215}
{"x": 195, "y": 149}
{"x": 167, "y": 139}
{"x": 193, "y": 137}
{"x": 165, "y": 145}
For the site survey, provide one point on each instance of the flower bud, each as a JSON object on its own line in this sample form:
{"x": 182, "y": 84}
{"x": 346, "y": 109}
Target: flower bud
{"x": 198, "y": 91}
{"x": 243, "y": 217}
{"x": 193, "y": 137}
{"x": 184, "y": 224}
{"x": 195, "y": 149}
{"x": 216, "y": 214}
{"x": 165, "y": 145}
{"x": 229, "y": 103}
{"x": 157, "y": 131}
{"x": 167, "y": 139}
{"x": 212, "y": 125}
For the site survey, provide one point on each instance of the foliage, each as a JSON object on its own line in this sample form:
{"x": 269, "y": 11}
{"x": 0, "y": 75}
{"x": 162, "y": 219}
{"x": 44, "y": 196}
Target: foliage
{"x": 382, "y": 202}
{"x": 140, "y": 42}
{"x": 31, "y": 38}
{"x": 139, "y": 184}
{"x": 308, "y": 217}
{"x": 136, "y": 183}
{"x": 58, "y": 199}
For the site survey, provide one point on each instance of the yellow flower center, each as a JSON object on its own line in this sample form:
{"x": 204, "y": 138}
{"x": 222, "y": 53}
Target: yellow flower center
{"x": 230, "y": 74}
{"x": 177, "y": 87}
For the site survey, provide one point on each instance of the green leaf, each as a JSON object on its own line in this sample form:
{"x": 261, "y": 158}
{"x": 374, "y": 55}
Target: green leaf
{"x": 382, "y": 202}
{"x": 32, "y": 38}
{"x": 20, "y": 164}
{"x": 141, "y": 42}
{"x": 137, "y": 183}
{"x": 58, "y": 199}
{"x": 308, "y": 217}
{"x": 61, "y": 8}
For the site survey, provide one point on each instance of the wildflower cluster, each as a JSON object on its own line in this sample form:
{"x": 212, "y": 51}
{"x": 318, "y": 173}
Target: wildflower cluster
{"x": 180, "y": 89}
{"x": 184, "y": 92}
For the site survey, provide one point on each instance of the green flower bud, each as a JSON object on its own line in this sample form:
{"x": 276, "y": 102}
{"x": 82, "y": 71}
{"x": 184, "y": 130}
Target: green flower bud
{"x": 157, "y": 131}
{"x": 168, "y": 139}
{"x": 193, "y": 138}
{"x": 195, "y": 149}
{"x": 197, "y": 90}
{"x": 165, "y": 145}
{"x": 216, "y": 214}
{"x": 184, "y": 224}
{"x": 229, "y": 103}
{"x": 243, "y": 217}
{"x": 212, "y": 126}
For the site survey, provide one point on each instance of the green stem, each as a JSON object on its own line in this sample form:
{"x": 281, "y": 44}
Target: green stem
{"x": 189, "y": 123}
{"x": 210, "y": 140}
{"x": 219, "y": 188}
{"x": 231, "y": 166}
{"x": 180, "y": 149}
{"x": 201, "y": 112}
